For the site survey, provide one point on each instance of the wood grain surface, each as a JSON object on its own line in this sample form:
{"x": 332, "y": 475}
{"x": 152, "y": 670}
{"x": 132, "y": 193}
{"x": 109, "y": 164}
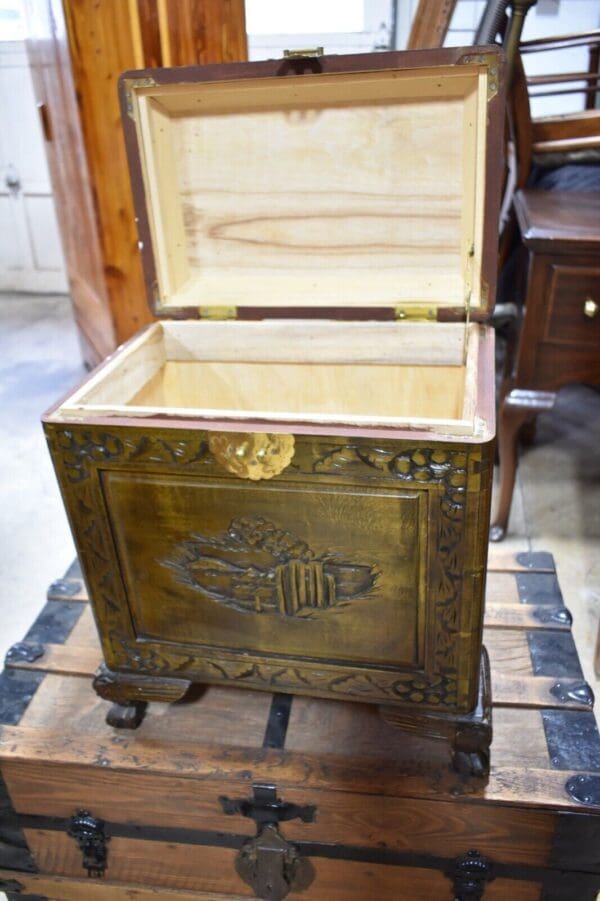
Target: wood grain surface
{"x": 72, "y": 181}
{"x": 373, "y": 787}
{"x": 78, "y": 50}
{"x": 224, "y": 234}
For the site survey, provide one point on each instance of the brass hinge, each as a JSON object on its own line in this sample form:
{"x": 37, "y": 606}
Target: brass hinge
{"x": 306, "y": 53}
{"x": 217, "y": 312}
{"x": 416, "y": 311}
{"x": 131, "y": 84}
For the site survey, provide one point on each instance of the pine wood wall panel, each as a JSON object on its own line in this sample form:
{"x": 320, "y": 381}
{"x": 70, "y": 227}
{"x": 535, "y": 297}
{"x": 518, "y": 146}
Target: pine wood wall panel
{"x": 102, "y": 46}
{"x": 55, "y": 93}
{"x": 149, "y": 28}
{"x": 78, "y": 49}
{"x": 202, "y": 31}
{"x": 430, "y": 24}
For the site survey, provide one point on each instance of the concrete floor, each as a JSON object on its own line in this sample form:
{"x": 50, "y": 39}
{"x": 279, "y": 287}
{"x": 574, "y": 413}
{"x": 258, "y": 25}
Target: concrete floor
{"x": 556, "y": 506}
{"x": 39, "y": 361}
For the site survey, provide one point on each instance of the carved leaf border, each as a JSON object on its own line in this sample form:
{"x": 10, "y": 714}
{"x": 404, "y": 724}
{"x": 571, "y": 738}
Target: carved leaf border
{"x": 81, "y": 451}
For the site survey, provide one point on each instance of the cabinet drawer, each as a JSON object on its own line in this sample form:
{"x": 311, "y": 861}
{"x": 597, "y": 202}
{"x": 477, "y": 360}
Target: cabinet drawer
{"x": 572, "y": 290}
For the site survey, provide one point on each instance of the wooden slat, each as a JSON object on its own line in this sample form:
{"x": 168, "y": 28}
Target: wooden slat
{"x": 67, "y": 660}
{"x": 558, "y": 77}
{"x": 217, "y": 716}
{"x": 509, "y": 651}
{"x": 512, "y": 784}
{"x": 501, "y": 588}
{"x": 63, "y": 888}
{"x": 212, "y": 869}
{"x": 518, "y": 616}
{"x": 500, "y": 560}
{"x": 574, "y": 39}
{"x": 343, "y": 817}
{"x": 506, "y": 621}
{"x": 583, "y": 124}
{"x": 84, "y": 633}
{"x": 530, "y": 691}
{"x": 567, "y": 144}
{"x": 150, "y": 863}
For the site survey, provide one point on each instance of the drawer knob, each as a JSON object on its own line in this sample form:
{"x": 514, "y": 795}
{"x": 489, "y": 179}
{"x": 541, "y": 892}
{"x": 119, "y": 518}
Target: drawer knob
{"x": 590, "y": 308}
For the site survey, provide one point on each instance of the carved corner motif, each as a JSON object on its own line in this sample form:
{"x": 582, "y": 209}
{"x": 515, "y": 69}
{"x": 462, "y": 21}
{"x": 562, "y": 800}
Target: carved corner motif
{"x": 140, "y": 656}
{"x": 255, "y": 567}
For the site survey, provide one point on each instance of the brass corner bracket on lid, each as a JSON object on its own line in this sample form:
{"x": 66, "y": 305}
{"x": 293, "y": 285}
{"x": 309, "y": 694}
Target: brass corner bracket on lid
{"x": 492, "y": 62}
{"x": 131, "y": 85}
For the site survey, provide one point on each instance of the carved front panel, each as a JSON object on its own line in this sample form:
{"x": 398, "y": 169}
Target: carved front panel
{"x": 305, "y": 570}
{"x": 357, "y": 572}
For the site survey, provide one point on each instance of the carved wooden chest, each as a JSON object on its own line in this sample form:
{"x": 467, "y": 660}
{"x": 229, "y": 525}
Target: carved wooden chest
{"x": 285, "y": 484}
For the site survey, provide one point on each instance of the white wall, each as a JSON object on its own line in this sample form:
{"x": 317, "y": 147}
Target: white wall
{"x": 30, "y": 252}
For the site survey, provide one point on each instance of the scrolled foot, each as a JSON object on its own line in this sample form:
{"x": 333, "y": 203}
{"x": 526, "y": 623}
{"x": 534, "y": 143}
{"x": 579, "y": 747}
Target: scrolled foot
{"x": 127, "y": 688}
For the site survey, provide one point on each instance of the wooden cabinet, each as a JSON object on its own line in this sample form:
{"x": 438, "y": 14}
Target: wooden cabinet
{"x": 78, "y": 49}
{"x": 559, "y": 340}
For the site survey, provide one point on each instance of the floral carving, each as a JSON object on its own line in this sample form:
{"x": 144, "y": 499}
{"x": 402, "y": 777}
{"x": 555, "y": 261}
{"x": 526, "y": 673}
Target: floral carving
{"x": 439, "y": 690}
{"x": 424, "y": 465}
{"x": 81, "y": 450}
{"x": 140, "y": 655}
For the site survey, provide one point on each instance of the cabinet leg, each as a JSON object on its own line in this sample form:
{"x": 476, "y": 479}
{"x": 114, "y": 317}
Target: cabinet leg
{"x": 130, "y": 693}
{"x": 468, "y": 734}
{"x": 128, "y": 715}
{"x": 517, "y": 408}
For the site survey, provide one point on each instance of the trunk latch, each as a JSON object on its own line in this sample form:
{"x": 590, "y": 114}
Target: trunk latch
{"x": 269, "y": 864}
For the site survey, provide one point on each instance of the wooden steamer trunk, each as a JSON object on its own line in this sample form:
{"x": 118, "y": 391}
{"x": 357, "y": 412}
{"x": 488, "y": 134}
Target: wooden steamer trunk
{"x": 289, "y": 490}
{"x": 242, "y": 794}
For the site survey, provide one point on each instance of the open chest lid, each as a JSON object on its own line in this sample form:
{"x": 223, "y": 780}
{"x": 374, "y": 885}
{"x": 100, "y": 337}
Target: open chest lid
{"x": 352, "y": 187}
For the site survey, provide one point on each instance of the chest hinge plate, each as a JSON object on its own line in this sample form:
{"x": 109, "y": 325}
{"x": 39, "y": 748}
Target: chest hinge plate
{"x": 416, "y": 312}
{"x": 217, "y": 312}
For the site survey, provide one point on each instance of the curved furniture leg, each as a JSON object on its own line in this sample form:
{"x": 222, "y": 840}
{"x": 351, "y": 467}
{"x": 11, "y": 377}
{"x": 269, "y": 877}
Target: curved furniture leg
{"x": 517, "y": 408}
{"x": 131, "y": 692}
